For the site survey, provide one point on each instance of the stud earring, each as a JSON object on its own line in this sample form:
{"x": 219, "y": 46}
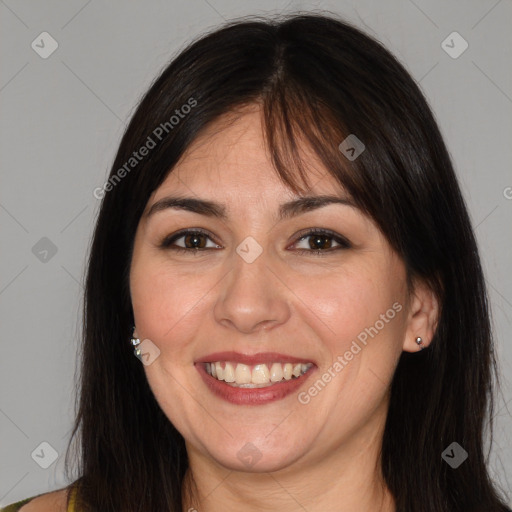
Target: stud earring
{"x": 135, "y": 342}
{"x": 419, "y": 342}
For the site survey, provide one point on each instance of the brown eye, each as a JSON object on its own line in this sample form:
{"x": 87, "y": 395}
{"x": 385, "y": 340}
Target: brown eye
{"x": 318, "y": 241}
{"x": 189, "y": 240}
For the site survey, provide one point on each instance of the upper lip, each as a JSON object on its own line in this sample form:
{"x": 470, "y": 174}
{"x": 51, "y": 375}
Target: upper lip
{"x": 252, "y": 359}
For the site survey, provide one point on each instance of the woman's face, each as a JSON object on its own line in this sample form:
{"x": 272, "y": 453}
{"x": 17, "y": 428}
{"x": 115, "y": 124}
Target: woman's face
{"x": 257, "y": 299}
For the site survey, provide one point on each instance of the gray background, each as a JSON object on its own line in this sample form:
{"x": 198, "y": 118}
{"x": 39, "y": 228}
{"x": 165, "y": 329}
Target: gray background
{"x": 62, "y": 119}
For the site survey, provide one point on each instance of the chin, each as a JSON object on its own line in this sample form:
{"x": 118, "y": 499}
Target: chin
{"x": 250, "y": 459}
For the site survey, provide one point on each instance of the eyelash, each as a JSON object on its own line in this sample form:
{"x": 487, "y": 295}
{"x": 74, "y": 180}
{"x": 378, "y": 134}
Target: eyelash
{"x": 344, "y": 243}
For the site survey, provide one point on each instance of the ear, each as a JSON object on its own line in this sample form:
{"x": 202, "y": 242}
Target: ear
{"x": 422, "y": 317}
{"x": 135, "y": 335}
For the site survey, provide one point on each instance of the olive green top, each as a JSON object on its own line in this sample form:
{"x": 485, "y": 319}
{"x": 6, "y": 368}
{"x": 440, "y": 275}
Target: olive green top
{"x": 14, "y": 507}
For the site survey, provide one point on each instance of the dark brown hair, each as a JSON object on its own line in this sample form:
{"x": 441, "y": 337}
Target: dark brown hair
{"x": 318, "y": 79}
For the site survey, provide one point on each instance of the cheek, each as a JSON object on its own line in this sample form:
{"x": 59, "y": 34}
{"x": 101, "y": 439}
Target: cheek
{"x": 359, "y": 317}
{"x": 166, "y": 301}
{"x": 343, "y": 304}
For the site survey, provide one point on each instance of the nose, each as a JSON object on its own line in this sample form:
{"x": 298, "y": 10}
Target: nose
{"x": 251, "y": 297}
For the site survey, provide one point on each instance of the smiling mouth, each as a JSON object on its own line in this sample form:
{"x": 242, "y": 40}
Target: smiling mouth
{"x": 262, "y": 375}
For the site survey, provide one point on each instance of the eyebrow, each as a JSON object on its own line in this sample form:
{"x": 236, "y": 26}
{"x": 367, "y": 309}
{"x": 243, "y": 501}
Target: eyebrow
{"x": 213, "y": 209}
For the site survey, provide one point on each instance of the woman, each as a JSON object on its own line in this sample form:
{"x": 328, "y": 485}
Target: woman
{"x": 283, "y": 245}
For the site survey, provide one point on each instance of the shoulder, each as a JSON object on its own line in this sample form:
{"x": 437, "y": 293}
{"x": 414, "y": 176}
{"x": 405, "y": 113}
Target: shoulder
{"x": 49, "y": 502}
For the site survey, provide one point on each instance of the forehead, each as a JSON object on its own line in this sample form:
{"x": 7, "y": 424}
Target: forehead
{"x": 230, "y": 158}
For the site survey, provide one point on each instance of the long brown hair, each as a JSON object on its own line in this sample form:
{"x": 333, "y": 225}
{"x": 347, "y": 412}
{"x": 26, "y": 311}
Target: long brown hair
{"x": 318, "y": 79}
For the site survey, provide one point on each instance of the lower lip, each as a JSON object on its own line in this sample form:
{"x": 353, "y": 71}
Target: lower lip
{"x": 252, "y": 396}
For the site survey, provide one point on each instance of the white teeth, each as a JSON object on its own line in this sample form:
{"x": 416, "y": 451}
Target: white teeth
{"x": 219, "y": 371}
{"x": 276, "y": 372}
{"x": 260, "y": 374}
{"x": 229, "y": 373}
{"x": 241, "y": 375}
